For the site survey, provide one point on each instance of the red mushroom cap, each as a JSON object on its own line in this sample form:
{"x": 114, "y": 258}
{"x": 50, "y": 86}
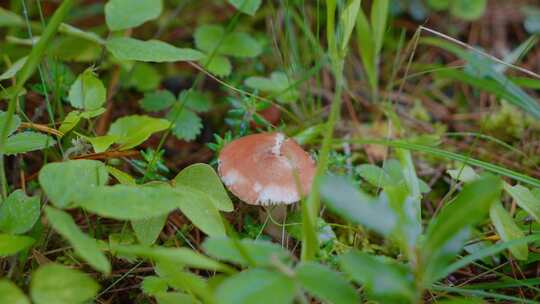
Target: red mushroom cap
{"x": 266, "y": 169}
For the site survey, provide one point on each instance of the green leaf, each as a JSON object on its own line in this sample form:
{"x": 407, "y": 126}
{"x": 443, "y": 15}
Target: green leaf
{"x": 187, "y": 125}
{"x": 157, "y": 101}
{"x": 102, "y": 143}
{"x": 203, "y": 178}
{"x": 15, "y": 122}
{"x": 85, "y": 247}
{"x": 19, "y": 213}
{"x": 125, "y": 48}
{"x": 147, "y": 230}
{"x": 13, "y": 69}
{"x": 179, "y": 256}
{"x": 121, "y": 176}
{"x": 279, "y": 84}
{"x": 8, "y": 18}
{"x": 448, "y": 231}
{"x": 131, "y": 202}
{"x": 508, "y": 230}
{"x": 347, "y": 21}
{"x": 57, "y": 284}
{"x": 237, "y": 44}
{"x": 246, "y": 6}
{"x": 10, "y": 293}
{"x": 325, "y": 283}
{"x": 142, "y": 76}
{"x": 66, "y": 182}
{"x": 382, "y": 277}
{"x": 218, "y": 65}
{"x": 70, "y": 121}
{"x": 379, "y": 15}
{"x": 349, "y": 202}
{"x": 438, "y": 5}
{"x": 374, "y": 175}
{"x": 365, "y": 43}
{"x": 135, "y": 129}
{"x": 27, "y": 141}
{"x": 125, "y": 14}
{"x": 468, "y": 9}
{"x": 463, "y": 174}
{"x": 175, "y": 298}
{"x": 185, "y": 281}
{"x": 195, "y": 100}
{"x": 244, "y": 252}
{"x": 255, "y": 285}
{"x": 153, "y": 285}
{"x": 525, "y": 199}
{"x": 11, "y": 244}
{"x": 87, "y": 92}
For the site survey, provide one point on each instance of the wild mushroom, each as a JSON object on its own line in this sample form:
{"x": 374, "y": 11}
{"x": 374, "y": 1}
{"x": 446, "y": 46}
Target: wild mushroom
{"x": 266, "y": 169}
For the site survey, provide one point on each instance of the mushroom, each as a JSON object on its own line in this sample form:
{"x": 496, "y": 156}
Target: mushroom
{"x": 266, "y": 169}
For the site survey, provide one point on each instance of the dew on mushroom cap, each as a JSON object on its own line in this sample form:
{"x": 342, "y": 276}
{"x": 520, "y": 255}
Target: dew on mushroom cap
{"x": 266, "y": 169}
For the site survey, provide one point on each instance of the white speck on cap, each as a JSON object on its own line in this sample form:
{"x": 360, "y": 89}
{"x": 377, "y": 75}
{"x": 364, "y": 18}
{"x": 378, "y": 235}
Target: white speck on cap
{"x": 261, "y": 169}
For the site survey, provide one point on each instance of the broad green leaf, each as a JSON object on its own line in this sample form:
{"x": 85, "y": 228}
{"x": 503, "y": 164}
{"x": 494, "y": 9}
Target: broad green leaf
{"x": 70, "y": 121}
{"x": 195, "y": 100}
{"x": 464, "y": 174}
{"x": 11, "y": 294}
{"x": 439, "y": 5}
{"x": 448, "y": 231}
{"x": 135, "y": 129}
{"x": 144, "y": 77}
{"x": 87, "y": 92}
{"x": 382, "y": 277}
{"x": 85, "y": 247}
{"x": 185, "y": 281}
{"x": 278, "y": 84}
{"x": 153, "y": 285}
{"x": 57, "y": 284}
{"x": 179, "y": 256}
{"x": 175, "y": 298}
{"x": 244, "y": 252}
{"x": 9, "y": 18}
{"x": 508, "y": 230}
{"x": 256, "y": 285}
{"x": 102, "y": 143}
{"x": 131, "y": 202}
{"x": 187, "y": 125}
{"x": 11, "y": 244}
{"x": 14, "y": 68}
{"x": 379, "y": 15}
{"x": 325, "y": 283}
{"x": 147, "y": 230}
{"x": 19, "y": 213}
{"x": 246, "y": 6}
{"x": 218, "y": 65}
{"x": 92, "y": 113}
{"x": 374, "y": 175}
{"x": 65, "y": 183}
{"x": 525, "y": 199}
{"x": 346, "y": 200}
{"x": 121, "y": 176}
{"x": 237, "y": 44}
{"x": 125, "y": 48}
{"x": 203, "y": 178}
{"x": 468, "y": 9}
{"x": 347, "y": 21}
{"x": 27, "y": 141}
{"x": 157, "y": 101}
{"x": 15, "y": 122}
{"x": 125, "y": 14}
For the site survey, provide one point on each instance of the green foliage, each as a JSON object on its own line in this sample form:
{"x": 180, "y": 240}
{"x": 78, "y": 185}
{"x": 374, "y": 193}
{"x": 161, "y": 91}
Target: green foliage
{"x": 157, "y": 101}
{"x": 57, "y": 284}
{"x": 9, "y": 293}
{"x": 525, "y": 199}
{"x": 214, "y": 39}
{"x": 19, "y": 213}
{"x": 125, "y": 48}
{"x": 131, "y": 131}
{"x": 11, "y": 244}
{"x": 65, "y": 183}
{"x": 508, "y": 230}
{"x": 27, "y": 141}
{"x": 85, "y": 246}
{"x": 125, "y": 14}
{"x": 279, "y": 85}
{"x": 246, "y": 6}
{"x": 463, "y": 9}
{"x": 87, "y": 92}
{"x": 245, "y": 252}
